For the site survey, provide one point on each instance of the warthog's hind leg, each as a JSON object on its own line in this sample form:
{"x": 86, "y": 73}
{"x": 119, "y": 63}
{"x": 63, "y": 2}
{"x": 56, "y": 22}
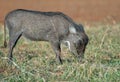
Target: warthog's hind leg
{"x": 13, "y": 38}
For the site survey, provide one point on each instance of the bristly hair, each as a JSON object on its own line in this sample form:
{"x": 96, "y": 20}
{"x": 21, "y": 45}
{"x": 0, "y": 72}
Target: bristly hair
{"x": 77, "y": 27}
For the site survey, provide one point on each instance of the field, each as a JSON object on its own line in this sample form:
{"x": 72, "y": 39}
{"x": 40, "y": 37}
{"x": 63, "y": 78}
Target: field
{"x": 35, "y": 61}
{"x": 79, "y": 10}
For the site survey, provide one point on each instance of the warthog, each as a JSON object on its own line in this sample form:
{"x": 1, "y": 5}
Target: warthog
{"x": 54, "y": 27}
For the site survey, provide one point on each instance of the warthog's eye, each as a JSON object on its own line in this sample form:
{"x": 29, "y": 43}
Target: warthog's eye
{"x": 79, "y": 45}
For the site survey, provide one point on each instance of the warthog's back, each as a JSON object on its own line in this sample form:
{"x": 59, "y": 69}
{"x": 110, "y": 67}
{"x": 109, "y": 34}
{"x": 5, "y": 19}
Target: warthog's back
{"x": 37, "y": 25}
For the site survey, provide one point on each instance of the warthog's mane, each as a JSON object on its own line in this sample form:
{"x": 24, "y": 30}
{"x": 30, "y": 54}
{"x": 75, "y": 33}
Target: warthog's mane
{"x": 49, "y": 14}
{"x": 77, "y": 27}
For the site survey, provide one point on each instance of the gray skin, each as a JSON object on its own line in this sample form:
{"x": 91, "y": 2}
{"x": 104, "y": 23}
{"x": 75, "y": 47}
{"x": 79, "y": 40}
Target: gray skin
{"x": 54, "y": 27}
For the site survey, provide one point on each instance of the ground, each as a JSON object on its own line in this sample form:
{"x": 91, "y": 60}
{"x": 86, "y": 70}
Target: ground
{"x": 35, "y": 61}
{"x": 80, "y": 10}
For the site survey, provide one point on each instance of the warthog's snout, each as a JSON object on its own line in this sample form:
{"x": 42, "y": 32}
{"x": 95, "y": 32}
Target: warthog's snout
{"x": 77, "y": 43}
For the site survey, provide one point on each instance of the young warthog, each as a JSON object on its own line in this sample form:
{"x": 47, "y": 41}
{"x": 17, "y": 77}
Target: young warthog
{"x": 54, "y": 27}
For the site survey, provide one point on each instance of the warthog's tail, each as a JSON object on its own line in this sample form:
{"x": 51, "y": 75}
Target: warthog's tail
{"x": 5, "y": 42}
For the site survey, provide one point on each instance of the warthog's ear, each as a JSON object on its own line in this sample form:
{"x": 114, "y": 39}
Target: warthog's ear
{"x": 81, "y": 27}
{"x": 72, "y": 29}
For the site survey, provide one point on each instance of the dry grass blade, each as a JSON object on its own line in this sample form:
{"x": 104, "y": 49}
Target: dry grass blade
{"x": 22, "y": 70}
{"x": 103, "y": 38}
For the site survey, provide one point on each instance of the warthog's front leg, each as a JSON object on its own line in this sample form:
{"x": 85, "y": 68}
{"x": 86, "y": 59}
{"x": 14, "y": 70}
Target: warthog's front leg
{"x": 57, "y": 50}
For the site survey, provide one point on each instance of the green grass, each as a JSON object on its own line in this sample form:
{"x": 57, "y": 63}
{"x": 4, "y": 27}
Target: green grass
{"x": 35, "y": 61}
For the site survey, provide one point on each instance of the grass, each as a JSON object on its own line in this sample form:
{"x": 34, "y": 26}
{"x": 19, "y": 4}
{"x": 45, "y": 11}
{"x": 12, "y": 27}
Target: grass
{"x": 35, "y": 61}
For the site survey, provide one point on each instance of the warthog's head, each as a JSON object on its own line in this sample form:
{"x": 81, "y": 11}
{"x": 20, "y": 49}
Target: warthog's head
{"x": 77, "y": 41}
